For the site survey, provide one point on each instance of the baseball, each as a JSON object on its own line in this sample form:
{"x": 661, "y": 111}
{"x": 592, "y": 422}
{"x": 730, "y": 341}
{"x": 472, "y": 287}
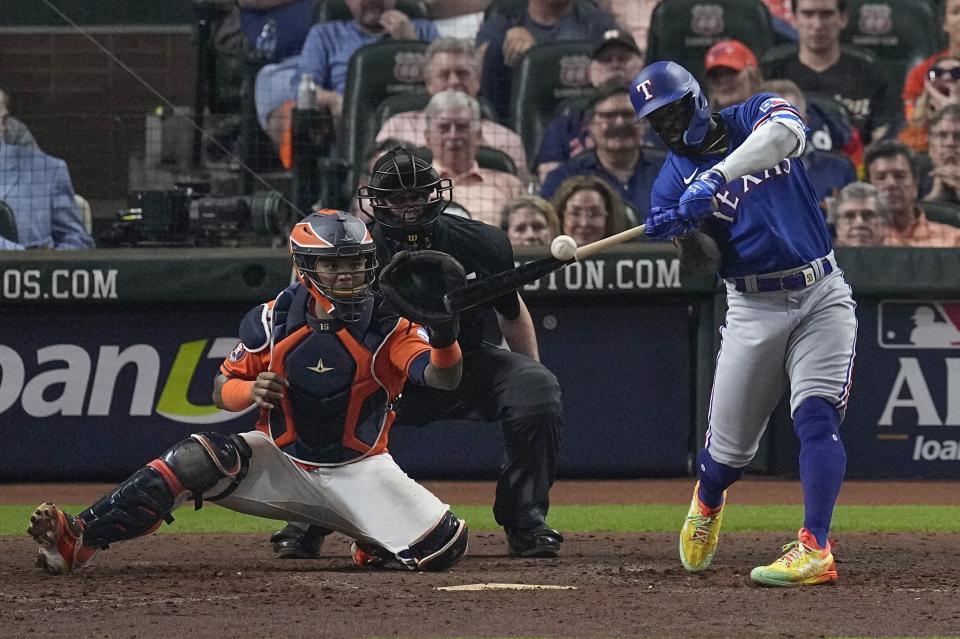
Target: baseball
{"x": 563, "y": 248}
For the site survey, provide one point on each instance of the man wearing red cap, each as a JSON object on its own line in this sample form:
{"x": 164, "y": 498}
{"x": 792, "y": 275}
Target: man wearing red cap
{"x": 732, "y": 73}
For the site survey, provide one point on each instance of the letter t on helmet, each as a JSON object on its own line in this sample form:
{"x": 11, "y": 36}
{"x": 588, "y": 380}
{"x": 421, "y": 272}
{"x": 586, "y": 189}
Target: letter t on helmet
{"x": 671, "y": 98}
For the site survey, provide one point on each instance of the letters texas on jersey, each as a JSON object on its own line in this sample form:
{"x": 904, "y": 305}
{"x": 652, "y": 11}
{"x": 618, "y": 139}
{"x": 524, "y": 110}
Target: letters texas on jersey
{"x": 766, "y": 222}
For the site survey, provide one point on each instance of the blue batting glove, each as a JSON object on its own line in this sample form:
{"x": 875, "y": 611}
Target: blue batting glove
{"x": 664, "y": 223}
{"x": 696, "y": 203}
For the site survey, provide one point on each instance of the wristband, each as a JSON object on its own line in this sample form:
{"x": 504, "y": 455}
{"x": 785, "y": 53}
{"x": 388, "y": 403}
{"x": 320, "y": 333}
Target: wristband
{"x": 236, "y": 394}
{"x": 445, "y": 357}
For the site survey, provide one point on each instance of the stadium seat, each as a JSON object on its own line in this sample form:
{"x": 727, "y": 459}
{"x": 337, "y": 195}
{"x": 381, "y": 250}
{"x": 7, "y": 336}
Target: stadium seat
{"x": 417, "y": 101}
{"x": 943, "y": 212}
{"x": 487, "y": 158}
{"x": 547, "y": 74}
{"x": 899, "y": 33}
{"x": 376, "y": 71}
{"x": 8, "y": 223}
{"x": 327, "y": 10}
{"x": 683, "y": 30}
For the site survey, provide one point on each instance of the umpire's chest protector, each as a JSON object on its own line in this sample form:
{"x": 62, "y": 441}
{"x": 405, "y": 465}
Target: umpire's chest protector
{"x": 336, "y": 408}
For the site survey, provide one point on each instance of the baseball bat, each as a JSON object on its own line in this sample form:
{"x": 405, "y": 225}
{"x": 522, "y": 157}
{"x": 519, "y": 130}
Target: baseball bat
{"x": 505, "y": 281}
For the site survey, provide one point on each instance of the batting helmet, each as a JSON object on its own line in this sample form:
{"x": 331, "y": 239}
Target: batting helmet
{"x": 336, "y": 259}
{"x": 671, "y": 98}
{"x": 406, "y": 196}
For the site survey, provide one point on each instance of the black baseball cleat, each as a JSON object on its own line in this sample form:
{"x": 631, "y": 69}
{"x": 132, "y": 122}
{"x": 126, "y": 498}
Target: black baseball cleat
{"x": 294, "y": 542}
{"x": 541, "y": 542}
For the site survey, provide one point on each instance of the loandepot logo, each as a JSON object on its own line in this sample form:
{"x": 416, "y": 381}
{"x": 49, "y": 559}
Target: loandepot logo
{"x": 63, "y": 389}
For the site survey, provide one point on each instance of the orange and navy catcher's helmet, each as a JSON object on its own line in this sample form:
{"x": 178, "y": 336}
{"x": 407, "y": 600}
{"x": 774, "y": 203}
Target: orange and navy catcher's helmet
{"x": 405, "y": 196}
{"x": 316, "y": 244}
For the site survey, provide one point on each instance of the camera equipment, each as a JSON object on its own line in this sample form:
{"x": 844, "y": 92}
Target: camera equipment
{"x": 187, "y": 216}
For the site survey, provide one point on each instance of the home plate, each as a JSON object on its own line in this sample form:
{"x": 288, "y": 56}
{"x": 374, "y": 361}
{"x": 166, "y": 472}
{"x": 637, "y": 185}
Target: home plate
{"x": 507, "y": 587}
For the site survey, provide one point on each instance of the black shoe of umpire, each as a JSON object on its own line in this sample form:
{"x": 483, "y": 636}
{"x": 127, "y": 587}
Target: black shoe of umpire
{"x": 540, "y": 542}
{"x": 293, "y": 542}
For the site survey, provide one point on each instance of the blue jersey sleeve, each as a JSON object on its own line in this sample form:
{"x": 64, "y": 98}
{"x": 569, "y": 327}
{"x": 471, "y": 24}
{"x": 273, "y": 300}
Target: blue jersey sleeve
{"x": 768, "y": 107}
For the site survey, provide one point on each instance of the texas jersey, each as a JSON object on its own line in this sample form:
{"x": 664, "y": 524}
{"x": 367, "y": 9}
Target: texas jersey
{"x": 767, "y": 221}
{"x": 342, "y": 377}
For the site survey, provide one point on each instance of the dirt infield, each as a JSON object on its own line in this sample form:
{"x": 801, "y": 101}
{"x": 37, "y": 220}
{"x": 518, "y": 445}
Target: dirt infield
{"x": 627, "y": 585}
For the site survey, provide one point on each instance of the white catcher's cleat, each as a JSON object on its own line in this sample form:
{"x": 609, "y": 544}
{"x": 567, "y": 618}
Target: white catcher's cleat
{"x": 61, "y": 540}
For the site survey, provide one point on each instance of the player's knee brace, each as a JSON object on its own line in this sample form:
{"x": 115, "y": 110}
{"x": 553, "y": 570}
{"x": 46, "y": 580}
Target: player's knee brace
{"x": 138, "y": 505}
{"x": 443, "y": 546}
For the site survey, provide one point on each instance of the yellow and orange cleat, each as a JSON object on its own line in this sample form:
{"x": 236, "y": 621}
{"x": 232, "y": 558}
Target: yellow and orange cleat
{"x": 804, "y": 563}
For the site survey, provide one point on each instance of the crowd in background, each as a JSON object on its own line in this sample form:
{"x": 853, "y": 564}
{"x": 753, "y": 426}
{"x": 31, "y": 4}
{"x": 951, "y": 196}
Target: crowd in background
{"x": 885, "y": 168}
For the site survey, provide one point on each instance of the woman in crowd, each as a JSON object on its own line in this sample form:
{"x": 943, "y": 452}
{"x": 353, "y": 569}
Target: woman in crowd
{"x": 589, "y": 209}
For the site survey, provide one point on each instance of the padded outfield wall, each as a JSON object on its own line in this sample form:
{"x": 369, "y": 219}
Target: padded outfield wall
{"x": 107, "y": 357}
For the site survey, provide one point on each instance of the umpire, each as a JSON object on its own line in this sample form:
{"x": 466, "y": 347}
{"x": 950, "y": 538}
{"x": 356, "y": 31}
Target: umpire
{"x": 406, "y": 198}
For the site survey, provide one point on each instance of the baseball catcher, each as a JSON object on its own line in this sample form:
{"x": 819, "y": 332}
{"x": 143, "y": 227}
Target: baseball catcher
{"x": 323, "y": 366}
{"x": 406, "y": 198}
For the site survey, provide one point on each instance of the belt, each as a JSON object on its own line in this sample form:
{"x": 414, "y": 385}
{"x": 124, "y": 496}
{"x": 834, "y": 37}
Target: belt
{"x": 791, "y": 280}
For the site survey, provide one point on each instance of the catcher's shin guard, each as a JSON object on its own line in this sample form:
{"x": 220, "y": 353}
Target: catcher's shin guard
{"x": 138, "y": 505}
{"x": 442, "y": 547}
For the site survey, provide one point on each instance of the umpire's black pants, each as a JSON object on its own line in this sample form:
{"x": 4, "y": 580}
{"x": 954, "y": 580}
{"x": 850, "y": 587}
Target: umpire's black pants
{"x": 525, "y": 397}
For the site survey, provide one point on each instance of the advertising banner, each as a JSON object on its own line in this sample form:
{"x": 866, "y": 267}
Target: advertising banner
{"x": 904, "y": 415}
{"x": 92, "y": 393}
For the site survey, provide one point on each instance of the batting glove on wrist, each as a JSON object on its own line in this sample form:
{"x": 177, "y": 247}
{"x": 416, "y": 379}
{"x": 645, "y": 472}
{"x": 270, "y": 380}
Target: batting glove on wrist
{"x": 664, "y": 223}
{"x": 696, "y": 203}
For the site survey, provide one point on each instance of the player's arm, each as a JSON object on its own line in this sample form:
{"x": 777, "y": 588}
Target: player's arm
{"x": 519, "y": 332}
{"x": 429, "y": 356}
{"x": 778, "y": 133}
{"x": 245, "y": 378}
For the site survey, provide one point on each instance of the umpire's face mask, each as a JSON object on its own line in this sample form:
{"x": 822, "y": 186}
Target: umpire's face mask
{"x": 671, "y": 122}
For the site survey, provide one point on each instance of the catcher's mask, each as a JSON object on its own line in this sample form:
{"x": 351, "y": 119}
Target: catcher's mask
{"x": 405, "y": 196}
{"x": 336, "y": 259}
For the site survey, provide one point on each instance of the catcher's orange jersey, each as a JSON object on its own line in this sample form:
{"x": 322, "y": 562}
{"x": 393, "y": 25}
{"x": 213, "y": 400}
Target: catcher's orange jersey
{"x": 343, "y": 379}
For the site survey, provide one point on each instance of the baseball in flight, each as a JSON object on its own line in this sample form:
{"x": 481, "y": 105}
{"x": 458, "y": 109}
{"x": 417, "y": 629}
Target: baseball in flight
{"x": 563, "y": 248}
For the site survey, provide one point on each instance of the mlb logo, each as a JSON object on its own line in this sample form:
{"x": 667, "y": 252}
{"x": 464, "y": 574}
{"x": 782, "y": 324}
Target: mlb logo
{"x": 919, "y": 324}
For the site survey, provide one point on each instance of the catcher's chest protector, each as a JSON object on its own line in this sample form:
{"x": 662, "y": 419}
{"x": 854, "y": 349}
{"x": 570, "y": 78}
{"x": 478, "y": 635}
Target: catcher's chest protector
{"x": 335, "y": 410}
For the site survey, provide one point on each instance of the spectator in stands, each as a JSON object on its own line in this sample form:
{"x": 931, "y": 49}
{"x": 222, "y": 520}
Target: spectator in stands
{"x": 634, "y": 16}
{"x": 453, "y": 135}
{"x": 589, "y": 209}
{"x": 327, "y": 50}
{"x": 454, "y": 64}
{"x": 15, "y": 131}
{"x": 819, "y": 64}
{"x": 919, "y": 76}
{"x": 37, "y": 187}
{"x": 504, "y": 38}
{"x": 940, "y": 89}
{"x": 617, "y": 58}
{"x": 530, "y": 220}
{"x": 827, "y": 171}
{"x": 945, "y": 156}
{"x": 732, "y": 73}
{"x": 859, "y": 216}
{"x": 275, "y": 82}
{"x": 892, "y": 168}
{"x": 618, "y": 157}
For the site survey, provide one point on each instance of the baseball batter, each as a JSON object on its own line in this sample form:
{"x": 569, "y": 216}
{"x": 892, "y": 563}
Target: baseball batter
{"x": 324, "y": 369}
{"x": 790, "y": 319}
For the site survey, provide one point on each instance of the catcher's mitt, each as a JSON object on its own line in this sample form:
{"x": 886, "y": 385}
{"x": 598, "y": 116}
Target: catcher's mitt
{"x": 414, "y": 283}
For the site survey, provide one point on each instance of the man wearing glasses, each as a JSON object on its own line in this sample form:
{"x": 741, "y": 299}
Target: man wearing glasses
{"x": 859, "y": 216}
{"x": 618, "y": 157}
